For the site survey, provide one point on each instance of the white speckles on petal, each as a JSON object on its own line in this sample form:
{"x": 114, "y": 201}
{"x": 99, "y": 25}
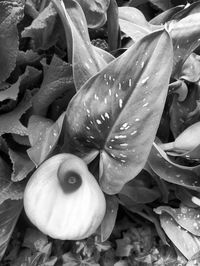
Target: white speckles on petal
{"x": 107, "y": 115}
{"x": 120, "y": 86}
{"x": 129, "y": 82}
{"x": 96, "y": 97}
{"x": 137, "y": 120}
{"x": 86, "y": 64}
{"x": 134, "y": 132}
{"x": 88, "y": 128}
{"x": 120, "y": 137}
{"x": 110, "y": 92}
{"x": 98, "y": 122}
{"x": 145, "y": 104}
{"x": 123, "y": 144}
{"x": 105, "y": 101}
{"x": 120, "y": 103}
{"x": 103, "y": 118}
{"x": 144, "y": 80}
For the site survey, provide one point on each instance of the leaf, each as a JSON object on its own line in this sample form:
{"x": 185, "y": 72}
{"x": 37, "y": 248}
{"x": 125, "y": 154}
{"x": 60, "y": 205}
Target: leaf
{"x": 113, "y": 111}
{"x": 162, "y": 4}
{"x": 43, "y": 30}
{"x": 191, "y": 68}
{"x": 34, "y": 240}
{"x": 185, "y": 32}
{"x": 8, "y": 189}
{"x": 181, "y": 115}
{"x": 187, "y": 218}
{"x": 187, "y": 243}
{"x": 171, "y": 172}
{"x": 22, "y": 165}
{"x": 139, "y": 194}
{"x": 133, "y": 23}
{"x": 166, "y": 15}
{"x": 47, "y": 139}
{"x": 86, "y": 59}
{"x": 95, "y": 12}
{"x": 9, "y": 91}
{"x": 57, "y": 79}
{"x": 108, "y": 222}
{"x": 10, "y": 122}
{"x": 11, "y": 13}
{"x": 9, "y": 213}
{"x": 113, "y": 26}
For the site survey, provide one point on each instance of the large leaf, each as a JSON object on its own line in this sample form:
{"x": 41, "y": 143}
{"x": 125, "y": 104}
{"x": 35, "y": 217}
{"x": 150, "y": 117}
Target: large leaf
{"x": 188, "y": 218}
{"x": 172, "y": 172}
{"x": 115, "y": 109}
{"x": 87, "y": 60}
{"x": 9, "y": 213}
{"x": 11, "y": 12}
{"x": 186, "y": 242}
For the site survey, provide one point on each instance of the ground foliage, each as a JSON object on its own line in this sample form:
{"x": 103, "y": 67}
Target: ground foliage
{"x": 114, "y": 82}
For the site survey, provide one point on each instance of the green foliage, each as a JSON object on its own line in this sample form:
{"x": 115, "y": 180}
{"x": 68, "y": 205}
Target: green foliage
{"x": 116, "y": 106}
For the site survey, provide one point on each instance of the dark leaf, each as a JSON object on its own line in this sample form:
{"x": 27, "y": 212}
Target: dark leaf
{"x": 9, "y": 213}
{"x": 8, "y": 91}
{"x": 11, "y": 13}
{"x": 22, "y": 165}
{"x": 108, "y": 222}
{"x": 43, "y": 30}
{"x": 56, "y": 81}
{"x": 162, "y": 4}
{"x": 113, "y": 111}
{"x": 10, "y": 122}
{"x": 8, "y": 189}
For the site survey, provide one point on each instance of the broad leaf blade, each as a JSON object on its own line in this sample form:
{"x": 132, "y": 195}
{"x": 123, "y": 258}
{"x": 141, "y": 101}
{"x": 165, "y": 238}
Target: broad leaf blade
{"x": 188, "y": 218}
{"x": 187, "y": 243}
{"x": 171, "y": 172}
{"x": 133, "y": 23}
{"x": 116, "y": 108}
